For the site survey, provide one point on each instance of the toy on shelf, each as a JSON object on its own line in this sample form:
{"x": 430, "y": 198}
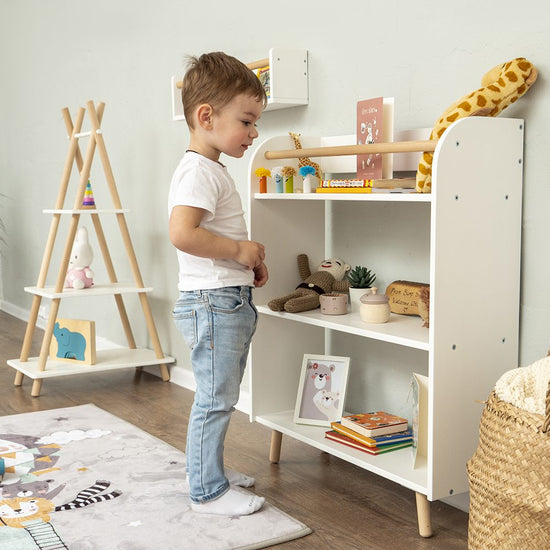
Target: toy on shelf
{"x": 288, "y": 178}
{"x": 410, "y": 298}
{"x": 329, "y": 277}
{"x": 501, "y": 87}
{"x": 263, "y": 174}
{"x": 79, "y": 274}
{"x": 277, "y": 173}
{"x": 304, "y": 161}
{"x": 310, "y": 181}
{"x": 88, "y": 201}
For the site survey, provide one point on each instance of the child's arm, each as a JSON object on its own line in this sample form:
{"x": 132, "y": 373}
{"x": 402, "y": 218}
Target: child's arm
{"x": 187, "y": 235}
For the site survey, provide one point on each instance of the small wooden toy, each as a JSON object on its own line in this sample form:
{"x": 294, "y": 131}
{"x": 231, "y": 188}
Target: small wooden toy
{"x": 277, "y": 173}
{"x": 310, "y": 181}
{"x": 263, "y": 174}
{"x": 288, "y": 178}
{"x": 89, "y": 201}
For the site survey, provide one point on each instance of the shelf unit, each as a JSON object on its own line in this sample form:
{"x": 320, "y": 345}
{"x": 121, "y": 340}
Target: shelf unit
{"x": 288, "y": 74}
{"x": 468, "y": 234}
{"x": 41, "y": 367}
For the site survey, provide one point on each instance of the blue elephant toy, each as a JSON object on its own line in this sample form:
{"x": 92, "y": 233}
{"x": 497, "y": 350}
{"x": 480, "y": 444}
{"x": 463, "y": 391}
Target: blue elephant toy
{"x": 70, "y": 345}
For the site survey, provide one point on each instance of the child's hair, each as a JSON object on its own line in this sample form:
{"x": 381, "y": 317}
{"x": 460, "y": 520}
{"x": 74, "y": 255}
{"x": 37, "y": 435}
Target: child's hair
{"x": 216, "y": 78}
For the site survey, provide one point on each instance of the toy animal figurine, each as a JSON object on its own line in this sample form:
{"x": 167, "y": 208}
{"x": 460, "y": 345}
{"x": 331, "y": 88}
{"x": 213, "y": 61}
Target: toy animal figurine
{"x": 329, "y": 277}
{"x": 501, "y": 87}
{"x": 79, "y": 274}
{"x": 304, "y": 161}
{"x": 70, "y": 345}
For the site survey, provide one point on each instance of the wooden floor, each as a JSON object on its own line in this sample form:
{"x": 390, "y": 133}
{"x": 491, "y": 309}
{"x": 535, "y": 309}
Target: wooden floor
{"x": 347, "y": 507}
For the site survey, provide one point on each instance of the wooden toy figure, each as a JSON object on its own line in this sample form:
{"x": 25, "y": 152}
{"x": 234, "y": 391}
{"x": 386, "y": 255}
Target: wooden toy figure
{"x": 310, "y": 181}
{"x": 263, "y": 174}
{"x": 277, "y": 173}
{"x": 288, "y": 178}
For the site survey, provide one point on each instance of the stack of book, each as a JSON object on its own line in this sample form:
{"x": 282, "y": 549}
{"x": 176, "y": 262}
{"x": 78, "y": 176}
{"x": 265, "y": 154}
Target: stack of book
{"x": 374, "y": 432}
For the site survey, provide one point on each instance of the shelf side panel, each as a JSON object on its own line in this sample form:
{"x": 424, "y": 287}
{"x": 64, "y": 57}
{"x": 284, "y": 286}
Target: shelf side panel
{"x": 475, "y": 283}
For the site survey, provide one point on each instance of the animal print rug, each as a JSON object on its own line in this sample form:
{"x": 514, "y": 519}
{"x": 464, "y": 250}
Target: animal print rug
{"x": 83, "y": 479}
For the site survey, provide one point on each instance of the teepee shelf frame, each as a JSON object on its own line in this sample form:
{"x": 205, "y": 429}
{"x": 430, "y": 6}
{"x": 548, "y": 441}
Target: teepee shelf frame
{"x": 38, "y": 368}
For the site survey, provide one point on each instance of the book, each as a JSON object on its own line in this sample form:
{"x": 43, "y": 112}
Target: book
{"x": 376, "y": 441}
{"x": 346, "y": 183}
{"x": 343, "y": 190}
{"x": 419, "y": 386}
{"x": 375, "y": 423}
{"x": 348, "y": 441}
{"x": 374, "y": 125}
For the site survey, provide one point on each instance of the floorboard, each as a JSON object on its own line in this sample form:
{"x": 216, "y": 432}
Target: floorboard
{"x": 347, "y": 507}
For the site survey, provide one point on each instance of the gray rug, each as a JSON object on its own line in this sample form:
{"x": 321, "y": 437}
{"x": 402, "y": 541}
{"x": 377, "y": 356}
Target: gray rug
{"x": 83, "y": 479}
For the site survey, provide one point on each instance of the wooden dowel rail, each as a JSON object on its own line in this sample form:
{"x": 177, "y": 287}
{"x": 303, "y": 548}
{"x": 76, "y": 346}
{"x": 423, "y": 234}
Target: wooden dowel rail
{"x": 344, "y": 150}
{"x": 253, "y": 65}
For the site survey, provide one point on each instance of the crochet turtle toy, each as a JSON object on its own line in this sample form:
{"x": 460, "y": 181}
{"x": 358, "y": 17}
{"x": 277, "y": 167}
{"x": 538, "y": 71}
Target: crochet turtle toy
{"x": 500, "y": 87}
{"x": 329, "y": 277}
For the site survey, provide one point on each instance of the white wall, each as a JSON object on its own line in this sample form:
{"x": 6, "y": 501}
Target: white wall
{"x": 65, "y": 52}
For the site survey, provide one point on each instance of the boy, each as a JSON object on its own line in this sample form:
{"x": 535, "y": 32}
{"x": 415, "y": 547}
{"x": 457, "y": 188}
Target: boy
{"x": 218, "y": 266}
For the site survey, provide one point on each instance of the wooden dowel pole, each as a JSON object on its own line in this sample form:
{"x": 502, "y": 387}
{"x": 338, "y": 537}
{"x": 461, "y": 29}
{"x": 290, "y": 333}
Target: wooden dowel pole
{"x": 258, "y": 64}
{"x": 343, "y": 150}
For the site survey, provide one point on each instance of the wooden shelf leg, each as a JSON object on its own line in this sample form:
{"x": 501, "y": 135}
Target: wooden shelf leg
{"x": 36, "y": 387}
{"x": 424, "y": 516}
{"x": 18, "y": 379}
{"x": 275, "y": 449}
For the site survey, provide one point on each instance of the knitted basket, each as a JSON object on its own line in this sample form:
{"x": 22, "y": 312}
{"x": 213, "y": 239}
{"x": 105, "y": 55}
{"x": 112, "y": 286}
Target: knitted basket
{"x": 509, "y": 479}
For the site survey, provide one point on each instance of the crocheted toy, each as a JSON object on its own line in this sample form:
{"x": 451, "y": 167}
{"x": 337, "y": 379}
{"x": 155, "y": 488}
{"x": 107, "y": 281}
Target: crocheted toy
{"x": 79, "y": 274}
{"x": 501, "y": 86}
{"x": 329, "y": 277}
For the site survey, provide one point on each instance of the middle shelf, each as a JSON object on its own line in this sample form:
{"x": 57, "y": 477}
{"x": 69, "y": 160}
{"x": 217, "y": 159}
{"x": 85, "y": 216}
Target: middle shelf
{"x": 404, "y": 330}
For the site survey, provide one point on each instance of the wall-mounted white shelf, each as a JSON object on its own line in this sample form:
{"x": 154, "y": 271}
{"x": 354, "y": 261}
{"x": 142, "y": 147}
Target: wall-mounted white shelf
{"x": 288, "y": 80}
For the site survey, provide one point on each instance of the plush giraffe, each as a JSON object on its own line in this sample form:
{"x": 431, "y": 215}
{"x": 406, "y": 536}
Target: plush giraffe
{"x": 304, "y": 161}
{"x": 500, "y": 87}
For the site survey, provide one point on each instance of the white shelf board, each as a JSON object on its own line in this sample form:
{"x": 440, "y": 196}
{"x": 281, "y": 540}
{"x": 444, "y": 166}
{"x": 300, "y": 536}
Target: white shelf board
{"x": 108, "y": 289}
{"x": 87, "y": 211}
{"x": 395, "y": 465}
{"x": 108, "y": 359}
{"x": 393, "y": 197}
{"x": 405, "y": 330}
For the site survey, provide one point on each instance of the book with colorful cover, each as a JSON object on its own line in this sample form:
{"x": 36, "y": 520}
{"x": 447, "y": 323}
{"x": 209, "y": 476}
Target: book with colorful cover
{"x": 376, "y": 441}
{"x": 348, "y": 441}
{"x": 375, "y": 423}
{"x": 346, "y": 183}
{"x": 374, "y": 125}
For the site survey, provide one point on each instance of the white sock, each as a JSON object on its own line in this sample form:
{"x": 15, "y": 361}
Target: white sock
{"x": 232, "y": 503}
{"x": 234, "y": 478}
{"x": 241, "y": 480}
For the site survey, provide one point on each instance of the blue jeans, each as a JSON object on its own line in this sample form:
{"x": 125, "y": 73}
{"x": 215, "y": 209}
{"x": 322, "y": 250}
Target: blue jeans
{"x": 217, "y": 325}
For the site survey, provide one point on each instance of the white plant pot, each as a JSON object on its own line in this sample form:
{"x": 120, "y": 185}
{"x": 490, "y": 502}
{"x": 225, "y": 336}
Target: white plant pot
{"x": 355, "y": 297}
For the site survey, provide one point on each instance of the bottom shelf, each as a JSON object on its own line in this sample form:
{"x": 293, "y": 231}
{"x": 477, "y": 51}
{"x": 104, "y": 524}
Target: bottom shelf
{"x": 107, "y": 359}
{"x": 396, "y": 465}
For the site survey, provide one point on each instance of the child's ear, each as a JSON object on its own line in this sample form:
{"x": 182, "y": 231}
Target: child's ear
{"x": 204, "y": 115}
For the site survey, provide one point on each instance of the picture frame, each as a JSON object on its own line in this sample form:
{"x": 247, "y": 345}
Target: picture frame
{"x": 321, "y": 389}
{"x": 73, "y": 341}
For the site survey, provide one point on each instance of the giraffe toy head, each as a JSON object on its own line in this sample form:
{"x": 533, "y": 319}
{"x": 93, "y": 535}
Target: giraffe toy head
{"x": 500, "y": 87}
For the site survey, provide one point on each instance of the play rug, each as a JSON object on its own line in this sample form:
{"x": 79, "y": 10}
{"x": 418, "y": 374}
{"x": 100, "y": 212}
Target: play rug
{"x": 83, "y": 479}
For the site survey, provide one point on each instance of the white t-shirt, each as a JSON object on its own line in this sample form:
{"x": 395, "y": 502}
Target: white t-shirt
{"x": 206, "y": 184}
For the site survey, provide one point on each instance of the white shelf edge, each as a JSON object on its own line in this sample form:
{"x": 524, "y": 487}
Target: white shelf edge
{"x": 396, "y": 465}
{"x": 86, "y": 211}
{"x": 404, "y": 330}
{"x": 96, "y": 290}
{"x": 108, "y": 359}
{"x": 393, "y": 197}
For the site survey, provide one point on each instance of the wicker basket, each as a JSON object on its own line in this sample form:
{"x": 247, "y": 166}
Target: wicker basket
{"x": 509, "y": 479}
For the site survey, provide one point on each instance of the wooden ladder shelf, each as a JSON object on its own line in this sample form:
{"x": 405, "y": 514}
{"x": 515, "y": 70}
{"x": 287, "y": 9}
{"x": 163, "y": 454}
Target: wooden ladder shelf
{"x": 41, "y": 367}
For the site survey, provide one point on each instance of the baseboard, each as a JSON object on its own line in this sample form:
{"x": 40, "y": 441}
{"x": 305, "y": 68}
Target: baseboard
{"x": 178, "y": 375}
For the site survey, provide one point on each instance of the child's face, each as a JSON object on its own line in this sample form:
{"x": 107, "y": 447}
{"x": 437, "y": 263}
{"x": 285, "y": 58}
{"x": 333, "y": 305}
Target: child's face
{"x": 234, "y": 125}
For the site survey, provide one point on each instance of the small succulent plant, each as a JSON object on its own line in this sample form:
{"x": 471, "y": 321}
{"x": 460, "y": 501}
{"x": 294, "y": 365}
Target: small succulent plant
{"x": 361, "y": 277}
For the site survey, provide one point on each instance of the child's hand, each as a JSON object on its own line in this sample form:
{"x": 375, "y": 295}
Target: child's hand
{"x": 260, "y": 275}
{"x": 250, "y": 253}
